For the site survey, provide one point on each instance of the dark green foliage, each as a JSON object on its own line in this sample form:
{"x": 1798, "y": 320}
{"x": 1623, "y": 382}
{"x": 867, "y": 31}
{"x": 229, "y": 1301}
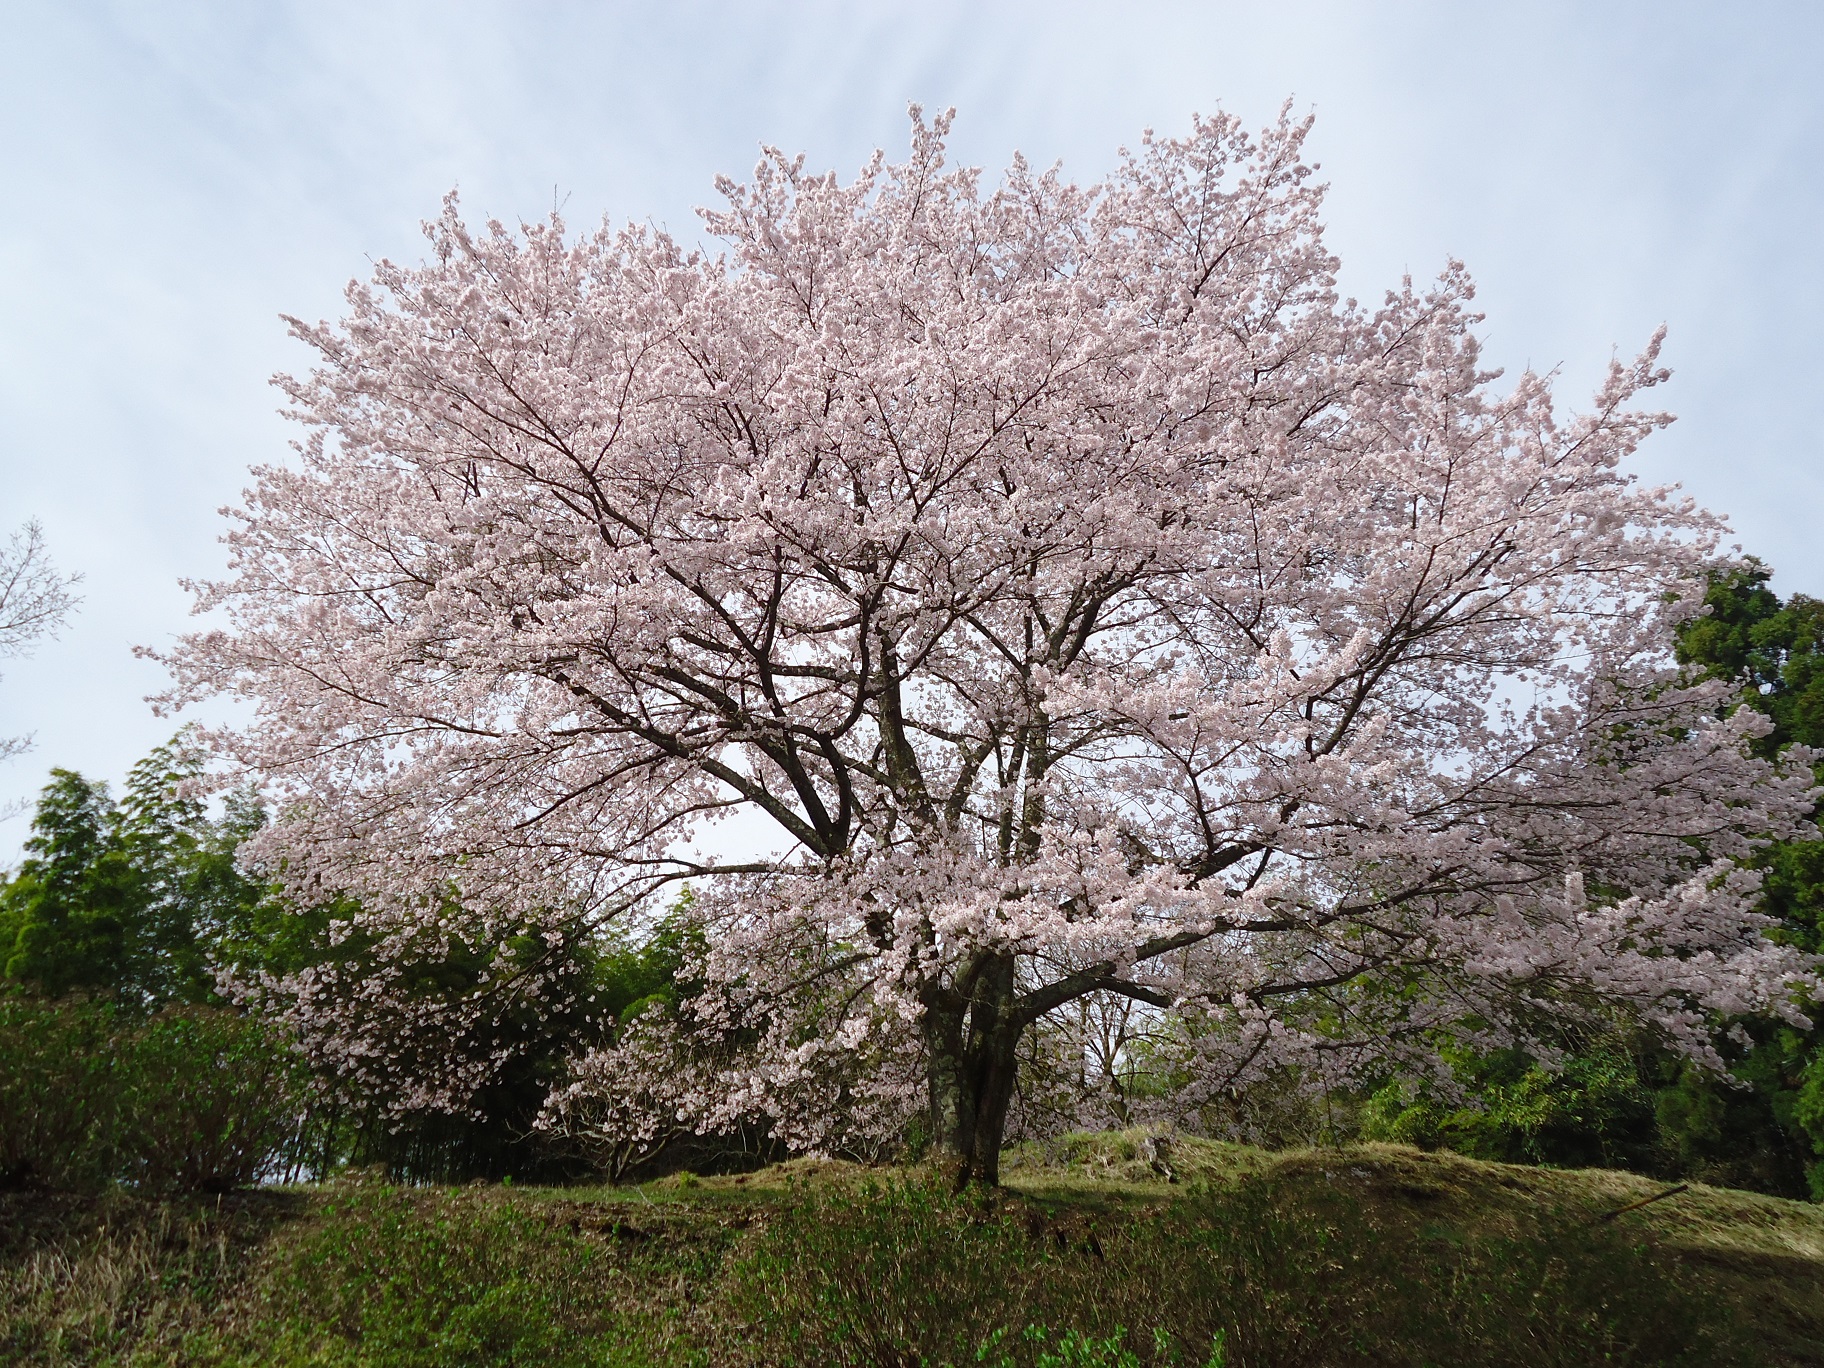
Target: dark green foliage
{"x": 210, "y": 1098}
{"x": 1595, "y": 1112}
{"x": 67, "y": 921}
{"x": 629, "y": 978}
{"x": 111, "y": 1065}
{"x": 1775, "y": 651}
{"x": 1616, "y": 1102}
{"x": 1749, "y": 1134}
{"x": 194, "y": 1099}
{"x": 59, "y": 1103}
{"x": 127, "y": 900}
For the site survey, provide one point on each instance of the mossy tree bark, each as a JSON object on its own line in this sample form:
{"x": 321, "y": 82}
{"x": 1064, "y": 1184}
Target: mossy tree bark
{"x": 972, "y": 1039}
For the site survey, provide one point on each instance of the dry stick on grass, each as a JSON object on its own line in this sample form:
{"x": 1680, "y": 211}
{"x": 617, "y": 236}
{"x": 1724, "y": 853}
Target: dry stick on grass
{"x": 1644, "y": 1201}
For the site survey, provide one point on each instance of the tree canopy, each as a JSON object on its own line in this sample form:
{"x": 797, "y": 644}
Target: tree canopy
{"x": 1089, "y": 603}
{"x": 134, "y": 900}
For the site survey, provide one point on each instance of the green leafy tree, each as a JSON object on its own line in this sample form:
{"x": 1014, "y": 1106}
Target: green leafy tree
{"x": 65, "y": 920}
{"x": 1775, "y": 650}
{"x": 1595, "y": 1111}
{"x": 137, "y": 905}
{"x": 129, "y": 899}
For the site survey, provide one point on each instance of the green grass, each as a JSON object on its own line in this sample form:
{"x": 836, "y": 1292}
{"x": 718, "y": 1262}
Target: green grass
{"x": 1087, "y": 1258}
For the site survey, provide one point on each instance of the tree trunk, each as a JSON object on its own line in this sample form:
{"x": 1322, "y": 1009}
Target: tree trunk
{"x": 973, "y": 1069}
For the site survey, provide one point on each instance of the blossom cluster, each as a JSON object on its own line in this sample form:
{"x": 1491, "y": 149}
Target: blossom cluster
{"x": 1089, "y": 600}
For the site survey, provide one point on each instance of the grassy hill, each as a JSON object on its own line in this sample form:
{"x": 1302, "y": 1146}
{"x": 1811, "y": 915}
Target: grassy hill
{"x": 1089, "y": 1256}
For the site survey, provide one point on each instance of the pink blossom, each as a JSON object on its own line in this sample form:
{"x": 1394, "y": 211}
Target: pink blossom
{"x": 1094, "y": 604}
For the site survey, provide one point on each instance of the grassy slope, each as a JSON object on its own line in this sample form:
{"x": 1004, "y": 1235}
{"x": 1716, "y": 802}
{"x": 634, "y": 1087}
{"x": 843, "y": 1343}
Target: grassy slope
{"x": 1762, "y": 1256}
{"x": 1368, "y": 1254}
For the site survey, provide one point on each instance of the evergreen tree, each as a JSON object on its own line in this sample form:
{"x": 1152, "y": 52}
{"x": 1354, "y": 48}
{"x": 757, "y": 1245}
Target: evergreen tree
{"x": 1776, "y": 651}
{"x": 65, "y": 920}
{"x": 129, "y": 900}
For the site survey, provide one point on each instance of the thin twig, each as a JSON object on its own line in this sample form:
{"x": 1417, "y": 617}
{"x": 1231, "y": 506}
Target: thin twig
{"x": 1644, "y": 1201}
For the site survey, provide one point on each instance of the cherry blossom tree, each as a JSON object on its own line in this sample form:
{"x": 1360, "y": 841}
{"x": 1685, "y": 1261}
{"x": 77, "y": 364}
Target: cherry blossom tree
{"x": 1087, "y": 599}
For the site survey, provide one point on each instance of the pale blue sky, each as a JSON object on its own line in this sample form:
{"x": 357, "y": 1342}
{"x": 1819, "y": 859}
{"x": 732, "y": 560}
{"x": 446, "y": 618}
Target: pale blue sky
{"x": 174, "y": 176}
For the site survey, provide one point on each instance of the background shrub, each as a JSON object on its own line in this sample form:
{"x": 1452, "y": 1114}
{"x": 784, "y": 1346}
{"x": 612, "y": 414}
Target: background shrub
{"x": 58, "y": 1092}
{"x": 192, "y": 1100}
{"x": 208, "y": 1101}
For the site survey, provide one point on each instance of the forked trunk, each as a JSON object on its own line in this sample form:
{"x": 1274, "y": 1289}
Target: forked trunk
{"x": 973, "y": 1067}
